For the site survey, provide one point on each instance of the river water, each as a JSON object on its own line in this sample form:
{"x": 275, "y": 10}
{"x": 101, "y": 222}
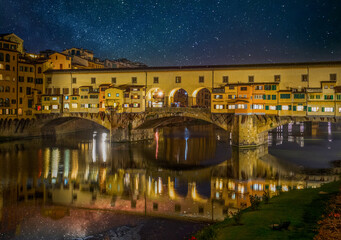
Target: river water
{"x": 81, "y": 186}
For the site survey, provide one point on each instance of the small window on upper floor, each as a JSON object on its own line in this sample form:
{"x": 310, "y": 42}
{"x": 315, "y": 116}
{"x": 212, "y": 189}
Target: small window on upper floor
{"x": 156, "y": 80}
{"x": 113, "y": 80}
{"x": 201, "y": 79}
{"x": 74, "y": 80}
{"x": 251, "y": 79}
{"x": 243, "y": 88}
{"x": 277, "y": 78}
{"x": 225, "y": 79}
{"x": 177, "y": 79}
{"x": 134, "y": 79}
{"x": 304, "y": 77}
{"x": 332, "y": 77}
{"x": 93, "y": 80}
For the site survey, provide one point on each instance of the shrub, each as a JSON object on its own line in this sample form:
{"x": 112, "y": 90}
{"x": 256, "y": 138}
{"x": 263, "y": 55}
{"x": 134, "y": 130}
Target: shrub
{"x": 207, "y": 234}
{"x": 237, "y": 216}
{"x": 255, "y": 201}
{"x": 266, "y": 197}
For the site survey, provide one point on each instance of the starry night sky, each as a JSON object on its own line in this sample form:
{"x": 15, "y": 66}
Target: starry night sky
{"x": 181, "y": 32}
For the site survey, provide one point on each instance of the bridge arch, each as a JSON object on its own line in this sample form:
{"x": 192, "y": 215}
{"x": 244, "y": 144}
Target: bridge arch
{"x": 156, "y": 97}
{"x": 201, "y": 97}
{"x": 178, "y": 97}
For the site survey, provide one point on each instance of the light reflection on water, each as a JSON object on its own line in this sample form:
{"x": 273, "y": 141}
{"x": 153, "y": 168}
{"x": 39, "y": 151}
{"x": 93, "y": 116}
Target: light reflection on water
{"x": 186, "y": 172}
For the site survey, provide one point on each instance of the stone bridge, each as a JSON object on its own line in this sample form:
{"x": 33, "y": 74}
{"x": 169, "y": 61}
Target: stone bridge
{"x": 247, "y": 130}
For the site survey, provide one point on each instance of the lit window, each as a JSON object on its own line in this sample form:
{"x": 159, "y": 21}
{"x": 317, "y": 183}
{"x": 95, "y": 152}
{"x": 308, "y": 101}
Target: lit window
{"x": 54, "y": 98}
{"x": 258, "y": 106}
{"x": 219, "y": 106}
{"x": 314, "y": 109}
{"x": 117, "y": 94}
{"x": 46, "y": 107}
{"x": 300, "y": 108}
{"x": 285, "y": 107}
{"x": 54, "y": 106}
{"x": 74, "y": 105}
{"x": 242, "y": 106}
{"x": 328, "y": 109}
{"x": 126, "y": 105}
{"x": 109, "y": 94}
{"x": 272, "y": 107}
{"x": 66, "y": 97}
{"x": 232, "y": 106}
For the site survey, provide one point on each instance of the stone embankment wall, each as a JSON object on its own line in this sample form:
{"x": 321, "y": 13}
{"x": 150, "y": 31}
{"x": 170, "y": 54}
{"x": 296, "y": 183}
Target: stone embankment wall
{"x": 26, "y": 128}
{"x": 16, "y": 129}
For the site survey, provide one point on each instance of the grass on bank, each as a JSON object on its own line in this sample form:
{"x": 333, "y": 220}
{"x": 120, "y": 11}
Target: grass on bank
{"x": 303, "y": 208}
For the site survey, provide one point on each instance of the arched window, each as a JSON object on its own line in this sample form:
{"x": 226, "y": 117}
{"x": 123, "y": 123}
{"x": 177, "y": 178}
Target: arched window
{"x": 1, "y": 56}
{"x": 1, "y": 88}
{"x": 1, "y": 102}
{"x": 7, "y": 102}
{"x": 8, "y": 68}
{"x": 39, "y": 69}
{"x": 8, "y": 89}
{"x": 8, "y": 58}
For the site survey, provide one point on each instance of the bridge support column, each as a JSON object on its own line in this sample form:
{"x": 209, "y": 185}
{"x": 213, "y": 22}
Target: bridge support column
{"x": 245, "y": 132}
{"x": 166, "y": 101}
{"x": 131, "y": 135}
{"x": 314, "y": 128}
{"x": 191, "y": 101}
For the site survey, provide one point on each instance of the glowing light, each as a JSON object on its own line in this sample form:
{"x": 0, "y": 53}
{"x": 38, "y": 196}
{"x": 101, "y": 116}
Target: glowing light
{"x": 94, "y": 147}
{"x": 149, "y": 185}
{"x": 74, "y": 172}
{"x": 55, "y": 162}
{"x": 186, "y": 138}
{"x": 171, "y": 191}
{"x": 160, "y": 94}
{"x": 46, "y": 162}
{"x": 157, "y": 143}
{"x": 104, "y": 151}
{"x": 160, "y": 185}
{"x": 66, "y": 163}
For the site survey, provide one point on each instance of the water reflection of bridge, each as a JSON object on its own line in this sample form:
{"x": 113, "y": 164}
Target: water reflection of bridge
{"x": 204, "y": 193}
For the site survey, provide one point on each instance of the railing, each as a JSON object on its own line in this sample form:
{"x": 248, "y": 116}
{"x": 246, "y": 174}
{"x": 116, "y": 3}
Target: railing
{"x": 178, "y": 110}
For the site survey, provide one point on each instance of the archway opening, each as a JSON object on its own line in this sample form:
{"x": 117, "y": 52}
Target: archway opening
{"x": 178, "y": 98}
{"x": 155, "y": 98}
{"x": 201, "y": 98}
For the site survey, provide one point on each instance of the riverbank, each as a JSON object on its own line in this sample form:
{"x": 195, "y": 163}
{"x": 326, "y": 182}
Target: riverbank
{"x": 302, "y": 208}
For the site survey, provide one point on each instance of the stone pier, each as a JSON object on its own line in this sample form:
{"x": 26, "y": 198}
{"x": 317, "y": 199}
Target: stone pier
{"x": 246, "y": 131}
{"x": 131, "y": 135}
